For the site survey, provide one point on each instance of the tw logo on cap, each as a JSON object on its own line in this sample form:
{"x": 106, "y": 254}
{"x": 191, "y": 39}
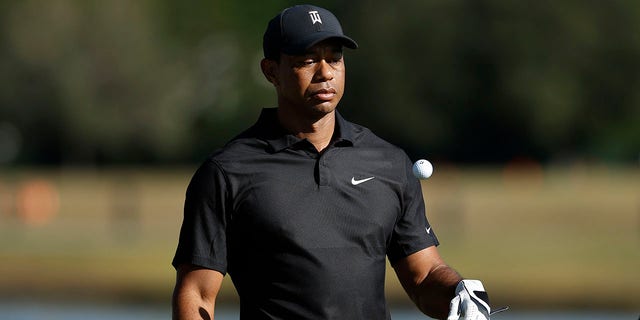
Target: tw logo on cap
{"x": 315, "y": 17}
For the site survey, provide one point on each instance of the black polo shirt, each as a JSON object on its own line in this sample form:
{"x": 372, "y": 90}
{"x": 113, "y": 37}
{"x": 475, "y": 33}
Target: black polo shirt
{"x": 304, "y": 235}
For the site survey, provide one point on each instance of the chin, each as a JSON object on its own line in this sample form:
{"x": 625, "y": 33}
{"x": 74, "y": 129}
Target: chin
{"x": 323, "y": 109}
{"x": 325, "y": 106}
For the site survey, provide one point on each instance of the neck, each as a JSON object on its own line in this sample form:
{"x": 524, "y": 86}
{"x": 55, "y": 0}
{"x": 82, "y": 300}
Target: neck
{"x": 317, "y": 131}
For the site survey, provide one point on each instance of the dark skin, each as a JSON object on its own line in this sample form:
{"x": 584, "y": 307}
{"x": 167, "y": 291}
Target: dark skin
{"x": 309, "y": 88}
{"x": 429, "y": 281}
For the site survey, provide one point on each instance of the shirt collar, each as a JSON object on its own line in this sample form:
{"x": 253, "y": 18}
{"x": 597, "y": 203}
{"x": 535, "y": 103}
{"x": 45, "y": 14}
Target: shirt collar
{"x": 279, "y": 139}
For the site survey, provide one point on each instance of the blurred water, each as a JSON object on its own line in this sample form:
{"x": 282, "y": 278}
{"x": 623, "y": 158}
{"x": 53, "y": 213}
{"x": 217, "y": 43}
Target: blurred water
{"x": 33, "y": 311}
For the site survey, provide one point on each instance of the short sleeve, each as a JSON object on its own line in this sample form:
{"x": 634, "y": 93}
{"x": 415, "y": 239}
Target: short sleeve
{"x": 412, "y": 231}
{"x": 202, "y": 239}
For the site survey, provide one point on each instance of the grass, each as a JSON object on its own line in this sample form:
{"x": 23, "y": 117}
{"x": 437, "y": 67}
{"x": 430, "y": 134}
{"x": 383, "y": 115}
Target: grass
{"x": 558, "y": 237}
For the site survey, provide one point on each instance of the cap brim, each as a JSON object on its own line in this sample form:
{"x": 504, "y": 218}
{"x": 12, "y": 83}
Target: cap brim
{"x": 302, "y": 46}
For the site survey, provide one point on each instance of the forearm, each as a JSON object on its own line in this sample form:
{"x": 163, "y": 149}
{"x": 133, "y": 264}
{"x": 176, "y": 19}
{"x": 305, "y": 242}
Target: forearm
{"x": 433, "y": 295}
{"x": 195, "y": 293}
{"x": 191, "y": 306}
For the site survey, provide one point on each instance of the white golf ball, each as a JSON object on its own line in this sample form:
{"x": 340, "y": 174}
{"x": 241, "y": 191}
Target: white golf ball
{"x": 422, "y": 169}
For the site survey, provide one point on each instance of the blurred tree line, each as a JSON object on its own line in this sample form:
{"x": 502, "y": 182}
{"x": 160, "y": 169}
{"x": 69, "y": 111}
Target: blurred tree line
{"x": 161, "y": 81}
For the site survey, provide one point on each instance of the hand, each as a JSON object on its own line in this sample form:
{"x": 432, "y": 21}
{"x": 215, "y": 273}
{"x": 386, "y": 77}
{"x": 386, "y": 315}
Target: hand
{"x": 470, "y": 303}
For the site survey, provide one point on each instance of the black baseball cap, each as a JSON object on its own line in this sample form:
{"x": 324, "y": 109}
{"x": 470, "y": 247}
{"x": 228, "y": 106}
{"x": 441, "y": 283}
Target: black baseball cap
{"x": 298, "y": 28}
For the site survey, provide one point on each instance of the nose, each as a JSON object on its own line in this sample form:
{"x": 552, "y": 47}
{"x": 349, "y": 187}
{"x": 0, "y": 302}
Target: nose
{"x": 325, "y": 71}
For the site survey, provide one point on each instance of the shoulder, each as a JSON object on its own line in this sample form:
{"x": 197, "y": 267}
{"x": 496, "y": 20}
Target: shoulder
{"x": 364, "y": 137}
{"x": 251, "y": 141}
{"x": 361, "y": 135}
{"x": 246, "y": 144}
{"x": 222, "y": 165}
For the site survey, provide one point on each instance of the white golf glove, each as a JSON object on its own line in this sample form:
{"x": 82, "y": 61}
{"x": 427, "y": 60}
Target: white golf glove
{"x": 470, "y": 303}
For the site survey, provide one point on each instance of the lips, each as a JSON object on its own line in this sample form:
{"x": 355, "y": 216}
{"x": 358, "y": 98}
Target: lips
{"x": 324, "y": 94}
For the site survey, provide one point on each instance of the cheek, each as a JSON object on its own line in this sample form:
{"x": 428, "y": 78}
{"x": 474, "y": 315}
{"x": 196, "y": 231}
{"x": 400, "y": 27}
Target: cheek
{"x": 304, "y": 77}
{"x": 299, "y": 82}
{"x": 339, "y": 81}
{"x": 291, "y": 86}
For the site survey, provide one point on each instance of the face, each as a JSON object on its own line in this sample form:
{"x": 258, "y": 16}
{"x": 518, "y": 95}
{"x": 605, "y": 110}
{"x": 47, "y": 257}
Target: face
{"x": 311, "y": 84}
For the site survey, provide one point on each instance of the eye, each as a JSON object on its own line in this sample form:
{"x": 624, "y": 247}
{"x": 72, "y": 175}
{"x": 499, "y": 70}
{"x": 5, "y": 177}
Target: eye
{"x": 336, "y": 58}
{"x": 305, "y": 62}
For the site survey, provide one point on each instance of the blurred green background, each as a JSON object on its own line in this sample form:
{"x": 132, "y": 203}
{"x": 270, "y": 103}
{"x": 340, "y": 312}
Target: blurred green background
{"x": 529, "y": 110}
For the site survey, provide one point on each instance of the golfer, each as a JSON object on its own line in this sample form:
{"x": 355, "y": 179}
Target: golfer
{"x": 304, "y": 207}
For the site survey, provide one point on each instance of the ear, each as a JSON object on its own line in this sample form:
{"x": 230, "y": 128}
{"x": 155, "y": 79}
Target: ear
{"x": 269, "y": 68}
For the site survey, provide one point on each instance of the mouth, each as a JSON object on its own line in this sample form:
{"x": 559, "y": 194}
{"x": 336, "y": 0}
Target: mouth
{"x": 325, "y": 94}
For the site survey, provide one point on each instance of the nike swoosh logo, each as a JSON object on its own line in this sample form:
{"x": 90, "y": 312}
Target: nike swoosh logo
{"x": 428, "y": 230}
{"x": 357, "y": 182}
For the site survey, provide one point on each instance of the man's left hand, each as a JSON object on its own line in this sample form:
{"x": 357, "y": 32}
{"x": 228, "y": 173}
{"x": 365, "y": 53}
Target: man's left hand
{"x": 470, "y": 303}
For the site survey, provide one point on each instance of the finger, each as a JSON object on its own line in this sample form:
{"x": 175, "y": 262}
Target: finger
{"x": 454, "y": 312}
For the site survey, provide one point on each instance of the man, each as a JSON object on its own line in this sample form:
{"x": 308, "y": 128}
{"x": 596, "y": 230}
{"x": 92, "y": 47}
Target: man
{"x": 303, "y": 208}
